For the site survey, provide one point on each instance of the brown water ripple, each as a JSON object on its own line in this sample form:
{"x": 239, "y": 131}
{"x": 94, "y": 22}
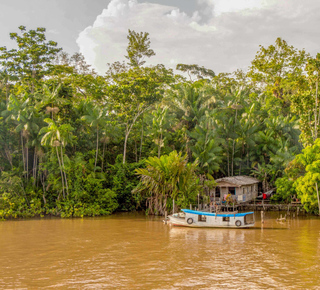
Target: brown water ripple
{"x": 128, "y": 251}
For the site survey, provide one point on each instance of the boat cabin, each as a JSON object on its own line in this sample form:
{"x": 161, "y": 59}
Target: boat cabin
{"x": 240, "y": 188}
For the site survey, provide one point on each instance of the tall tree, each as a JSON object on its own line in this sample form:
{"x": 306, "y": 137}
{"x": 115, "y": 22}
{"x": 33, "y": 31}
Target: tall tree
{"x": 138, "y": 48}
{"x": 277, "y": 70}
{"x": 32, "y": 59}
{"x": 305, "y": 102}
{"x": 199, "y": 72}
{"x": 134, "y": 92}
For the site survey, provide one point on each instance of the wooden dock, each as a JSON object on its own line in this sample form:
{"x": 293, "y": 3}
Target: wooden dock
{"x": 255, "y": 206}
{"x": 261, "y": 206}
{"x": 270, "y": 206}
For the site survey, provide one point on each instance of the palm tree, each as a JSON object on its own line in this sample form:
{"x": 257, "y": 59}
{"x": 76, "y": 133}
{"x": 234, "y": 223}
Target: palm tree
{"x": 191, "y": 102}
{"x": 207, "y": 147}
{"x": 96, "y": 118}
{"x": 51, "y": 100}
{"x": 161, "y": 123}
{"x": 55, "y": 137}
{"x": 169, "y": 176}
{"x": 25, "y": 117}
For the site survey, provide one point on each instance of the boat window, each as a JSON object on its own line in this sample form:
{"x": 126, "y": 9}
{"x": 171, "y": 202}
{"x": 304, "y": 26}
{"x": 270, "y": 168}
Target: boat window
{"x": 249, "y": 219}
{"x": 202, "y": 218}
{"x": 226, "y": 219}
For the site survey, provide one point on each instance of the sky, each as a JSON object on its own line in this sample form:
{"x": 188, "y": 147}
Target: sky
{"x": 223, "y": 35}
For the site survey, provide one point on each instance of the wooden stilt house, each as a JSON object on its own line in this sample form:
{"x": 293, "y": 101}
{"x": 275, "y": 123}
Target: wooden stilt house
{"x": 240, "y": 188}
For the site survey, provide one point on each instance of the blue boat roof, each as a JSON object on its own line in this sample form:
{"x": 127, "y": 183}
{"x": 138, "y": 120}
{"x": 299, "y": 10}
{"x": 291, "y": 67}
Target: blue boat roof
{"x": 213, "y": 214}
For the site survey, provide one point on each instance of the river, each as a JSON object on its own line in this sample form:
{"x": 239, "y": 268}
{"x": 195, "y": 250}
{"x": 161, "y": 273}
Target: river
{"x": 132, "y": 251}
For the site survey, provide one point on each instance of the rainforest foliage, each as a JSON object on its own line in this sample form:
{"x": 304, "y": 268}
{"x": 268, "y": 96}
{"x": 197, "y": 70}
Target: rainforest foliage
{"x": 75, "y": 143}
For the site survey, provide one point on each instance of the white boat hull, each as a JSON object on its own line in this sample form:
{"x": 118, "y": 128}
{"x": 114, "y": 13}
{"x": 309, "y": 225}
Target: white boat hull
{"x": 195, "y": 219}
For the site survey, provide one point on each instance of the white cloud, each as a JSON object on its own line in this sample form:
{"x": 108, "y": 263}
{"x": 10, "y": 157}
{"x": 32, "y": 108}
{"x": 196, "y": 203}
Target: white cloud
{"x": 222, "y": 35}
{"x": 224, "y": 6}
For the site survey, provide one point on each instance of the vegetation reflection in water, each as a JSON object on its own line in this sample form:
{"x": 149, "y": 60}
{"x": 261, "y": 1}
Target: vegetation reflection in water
{"x": 136, "y": 252}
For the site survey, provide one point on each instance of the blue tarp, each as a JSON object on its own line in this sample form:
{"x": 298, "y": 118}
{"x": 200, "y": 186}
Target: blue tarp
{"x": 213, "y": 214}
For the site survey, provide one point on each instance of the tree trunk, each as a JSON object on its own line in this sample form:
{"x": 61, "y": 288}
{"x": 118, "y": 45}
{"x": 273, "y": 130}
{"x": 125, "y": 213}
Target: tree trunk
{"x": 125, "y": 145}
{"x": 103, "y": 152}
{"x": 315, "y": 115}
{"x": 128, "y": 129}
{"x": 34, "y": 170}
{"x": 232, "y": 160}
{"x": 141, "y": 140}
{"x": 136, "y": 150}
{"x": 23, "y": 153}
{"x": 64, "y": 171}
{"x": 7, "y": 93}
{"x": 41, "y": 177}
{"x": 228, "y": 158}
{"x": 247, "y": 155}
{"x": 27, "y": 160}
{"x": 97, "y": 148}
{"x": 44, "y": 189}
{"x": 62, "y": 179}
{"x": 160, "y": 142}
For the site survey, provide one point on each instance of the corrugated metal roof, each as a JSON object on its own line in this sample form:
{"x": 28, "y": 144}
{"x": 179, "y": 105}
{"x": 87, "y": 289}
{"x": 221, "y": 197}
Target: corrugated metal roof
{"x": 238, "y": 180}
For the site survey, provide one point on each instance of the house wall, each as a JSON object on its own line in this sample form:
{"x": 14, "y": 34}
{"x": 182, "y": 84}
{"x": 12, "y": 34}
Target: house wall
{"x": 243, "y": 193}
{"x": 247, "y": 193}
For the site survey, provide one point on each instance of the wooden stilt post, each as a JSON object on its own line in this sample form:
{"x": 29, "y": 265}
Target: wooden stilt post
{"x": 190, "y": 206}
{"x": 165, "y": 217}
{"x": 262, "y": 216}
{"x": 173, "y": 206}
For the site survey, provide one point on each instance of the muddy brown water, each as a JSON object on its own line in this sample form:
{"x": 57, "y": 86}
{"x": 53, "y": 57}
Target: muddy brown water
{"x": 131, "y": 251}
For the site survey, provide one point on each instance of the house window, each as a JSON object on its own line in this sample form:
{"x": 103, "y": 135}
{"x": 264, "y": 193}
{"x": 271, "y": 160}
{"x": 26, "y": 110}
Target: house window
{"x": 217, "y": 192}
{"x": 232, "y": 190}
{"x": 226, "y": 219}
{"x": 243, "y": 190}
{"x": 202, "y": 218}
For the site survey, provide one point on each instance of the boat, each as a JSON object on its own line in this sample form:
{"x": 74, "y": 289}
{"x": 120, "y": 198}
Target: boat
{"x": 202, "y": 219}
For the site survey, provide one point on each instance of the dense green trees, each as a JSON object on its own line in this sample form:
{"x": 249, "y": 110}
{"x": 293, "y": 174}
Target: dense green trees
{"x": 165, "y": 179}
{"x": 74, "y": 143}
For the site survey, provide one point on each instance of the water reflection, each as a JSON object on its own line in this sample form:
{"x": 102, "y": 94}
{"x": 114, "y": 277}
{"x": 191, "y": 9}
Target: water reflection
{"x": 219, "y": 236}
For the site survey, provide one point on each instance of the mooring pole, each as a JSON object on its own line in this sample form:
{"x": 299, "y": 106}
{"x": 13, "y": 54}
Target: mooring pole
{"x": 173, "y": 206}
